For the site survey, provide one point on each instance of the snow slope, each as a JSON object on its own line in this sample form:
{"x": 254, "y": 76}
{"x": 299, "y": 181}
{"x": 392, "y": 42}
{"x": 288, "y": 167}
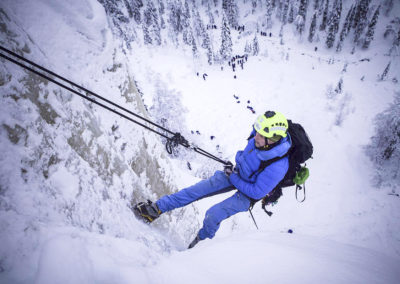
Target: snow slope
{"x": 67, "y": 178}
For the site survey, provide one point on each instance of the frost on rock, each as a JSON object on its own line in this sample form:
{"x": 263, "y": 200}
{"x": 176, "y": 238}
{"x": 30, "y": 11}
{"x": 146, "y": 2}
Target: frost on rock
{"x": 63, "y": 164}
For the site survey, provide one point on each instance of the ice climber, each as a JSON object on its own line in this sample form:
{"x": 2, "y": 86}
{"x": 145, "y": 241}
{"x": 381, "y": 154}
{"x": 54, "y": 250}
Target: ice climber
{"x": 268, "y": 140}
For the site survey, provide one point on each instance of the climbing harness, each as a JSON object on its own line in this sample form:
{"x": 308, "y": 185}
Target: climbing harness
{"x": 173, "y": 139}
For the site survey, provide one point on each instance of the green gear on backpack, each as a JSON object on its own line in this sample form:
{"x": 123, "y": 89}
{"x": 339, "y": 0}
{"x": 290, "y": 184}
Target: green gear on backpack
{"x": 301, "y": 176}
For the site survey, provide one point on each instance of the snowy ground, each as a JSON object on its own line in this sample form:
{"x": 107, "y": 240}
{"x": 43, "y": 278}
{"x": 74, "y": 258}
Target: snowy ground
{"x": 345, "y": 232}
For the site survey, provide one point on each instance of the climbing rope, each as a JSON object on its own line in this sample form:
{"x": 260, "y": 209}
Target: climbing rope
{"x": 173, "y": 139}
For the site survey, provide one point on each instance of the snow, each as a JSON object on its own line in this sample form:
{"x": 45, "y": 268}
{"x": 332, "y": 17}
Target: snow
{"x": 74, "y": 226}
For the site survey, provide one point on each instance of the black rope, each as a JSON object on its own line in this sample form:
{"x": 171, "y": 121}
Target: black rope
{"x": 175, "y": 140}
{"x": 74, "y": 84}
{"x": 79, "y": 94}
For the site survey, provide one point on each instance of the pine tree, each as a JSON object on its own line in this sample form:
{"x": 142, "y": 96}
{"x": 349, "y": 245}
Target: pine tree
{"x": 291, "y": 15}
{"x": 194, "y": 48}
{"x": 299, "y": 22}
{"x": 345, "y": 29}
{"x": 384, "y": 149}
{"x": 385, "y": 72}
{"x": 253, "y": 6}
{"x": 150, "y": 19}
{"x": 133, "y": 8}
{"x": 396, "y": 44}
{"x": 338, "y": 11}
{"x": 256, "y": 47}
{"x": 210, "y": 15}
{"x": 360, "y": 20}
{"x": 334, "y": 24}
{"x": 206, "y": 42}
{"x": 146, "y": 35}
{"x": 185, "y": 22}
{"x": 278, "y": 10}
{"x": 247, "y": 48}
{"x": 268, "y": 15}
{"x": 226, "y": 41}
{"x": 175, "y": 16}
{"x": 350, "y": 18}
{"x": 312, "y": 27}
{"x": 303, "y": 9}
{"x": 210, "y": 58}
{"x": 371, "y": 29}
{"x": 285, "y": 11}
{"x": 200, "y": 30}
{"x": 231, "y": 11}
{"x": 321, "y": 8}
{"x": 316, "y": 5}
{"x": 322, "y": 27}
{"x": 161, "y": 12}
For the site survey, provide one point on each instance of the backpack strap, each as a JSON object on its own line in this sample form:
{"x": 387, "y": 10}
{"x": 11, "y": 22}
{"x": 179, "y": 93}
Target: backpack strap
{"x": 265, "y": 164}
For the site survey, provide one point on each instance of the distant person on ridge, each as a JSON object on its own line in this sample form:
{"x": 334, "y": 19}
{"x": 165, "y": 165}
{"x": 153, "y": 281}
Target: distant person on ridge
{"x": 268, "y": 140}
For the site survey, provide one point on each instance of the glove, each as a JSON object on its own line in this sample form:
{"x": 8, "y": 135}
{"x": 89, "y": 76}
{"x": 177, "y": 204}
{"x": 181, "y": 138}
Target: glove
{"x": 228, "y": 168}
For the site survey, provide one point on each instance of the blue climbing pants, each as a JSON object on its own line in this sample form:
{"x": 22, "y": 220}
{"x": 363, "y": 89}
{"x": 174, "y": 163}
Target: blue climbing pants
{"x": 218, "y": 183}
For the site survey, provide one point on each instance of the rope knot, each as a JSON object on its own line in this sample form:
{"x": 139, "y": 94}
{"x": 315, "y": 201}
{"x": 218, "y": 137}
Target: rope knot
{"x": 174, "y": 141}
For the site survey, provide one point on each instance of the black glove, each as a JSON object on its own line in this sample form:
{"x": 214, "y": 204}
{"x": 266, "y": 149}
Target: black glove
{"x": 228, "y": 168}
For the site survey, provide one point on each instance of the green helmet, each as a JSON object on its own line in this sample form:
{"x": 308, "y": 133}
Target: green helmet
{"x": 271, "y": 124}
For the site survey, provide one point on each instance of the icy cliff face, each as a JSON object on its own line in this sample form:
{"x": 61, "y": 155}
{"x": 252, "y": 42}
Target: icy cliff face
{"x": 64, "y": 161}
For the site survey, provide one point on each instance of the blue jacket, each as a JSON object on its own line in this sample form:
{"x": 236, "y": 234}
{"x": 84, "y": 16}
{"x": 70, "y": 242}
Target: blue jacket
{"x": 248, "y": 162}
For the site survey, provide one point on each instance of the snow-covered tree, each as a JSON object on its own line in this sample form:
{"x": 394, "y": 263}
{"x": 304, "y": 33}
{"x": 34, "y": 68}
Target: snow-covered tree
{"x": 198, "y": 25}
{"x": 152, "y": 27}
{"x": 334, "y": 24}
{"x": 186, "y": 27}
{"x": 175, "y": 16}
{"x": 285, "y": 11}
{"x": 210, "y": 15}
{"x": 384, "y": 149}
{"x": 231, "y": 11}
{"x": 316, "y": 4}
{"x": 210, "y": 56}
{"x": 371, "y": 28}
{"x": 268, "y": 13}
{"x": 345, "y": 29}
{"x": 360, "y": 19}
{"x": 385, "y": 72}
{"x": 324, "y": 21}
{"x": 291, "y": 15}
{"x": 194, "y": 48}
{"x": 247, "y": 48}
{"x": 299, "y": 22}
{"x": 226, "y": 41}
{"x": 303, "y": 9}
{"x": 255, "y": 46}
{"x": 312, "y": 27}
{"x": 133, "y": 8}
{"x": 253, "y": 6}
{"x": 146, "y": 35}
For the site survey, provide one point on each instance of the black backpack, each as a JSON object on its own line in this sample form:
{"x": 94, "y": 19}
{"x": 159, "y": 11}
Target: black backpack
{"x": 300, "y": 151}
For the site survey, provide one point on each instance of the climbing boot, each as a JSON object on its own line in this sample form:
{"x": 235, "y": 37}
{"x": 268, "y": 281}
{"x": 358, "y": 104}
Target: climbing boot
{"x": 194, "y": 242}
{"x": 147, "y": 212}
